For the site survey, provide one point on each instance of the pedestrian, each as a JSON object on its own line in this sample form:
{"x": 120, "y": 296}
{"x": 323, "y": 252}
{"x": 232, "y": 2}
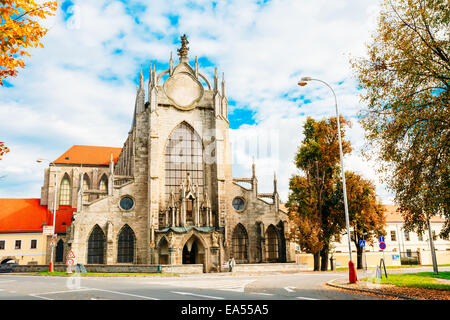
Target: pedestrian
{"x": 229, "y": 265}
{"x": 233, "y": 264}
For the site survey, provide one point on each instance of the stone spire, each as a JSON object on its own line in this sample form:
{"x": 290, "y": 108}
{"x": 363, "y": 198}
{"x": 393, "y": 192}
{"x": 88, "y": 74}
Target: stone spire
{"x": 216, "y": 81}
{"x": 254, "y": 179}
{"x": 275, "y": 190}
{"x": 223, "y": 84}
{"x": 141, "y": 80}
{"x": 140, "y": 96}
{"x": 152, "y": 92}
{"x": 183, "y": 51}
{"x": 170, "y": 65}
{"x": 196, "y": 67}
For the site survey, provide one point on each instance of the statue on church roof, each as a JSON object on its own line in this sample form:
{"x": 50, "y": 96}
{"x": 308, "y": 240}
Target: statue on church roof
{"x": 183, "y": 51}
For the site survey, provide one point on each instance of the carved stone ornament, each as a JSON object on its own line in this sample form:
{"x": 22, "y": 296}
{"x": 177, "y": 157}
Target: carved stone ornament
{"x": 183, "y": 90}
{"x": 214, "y": 239}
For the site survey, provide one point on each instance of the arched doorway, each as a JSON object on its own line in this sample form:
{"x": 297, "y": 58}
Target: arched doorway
{"x": 240, "y": 244}
{"x": 193, "y": 251}
{"x": 282, "y": 243}
{"x": 272, "y": 244}
{"x": 59, "y": 251}
{"x": 126, "y": 245}
{"x": 96, "y": 246}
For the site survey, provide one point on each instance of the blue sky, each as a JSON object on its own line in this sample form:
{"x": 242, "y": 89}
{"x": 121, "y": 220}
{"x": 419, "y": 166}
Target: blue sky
{"x": 80, "y": 89}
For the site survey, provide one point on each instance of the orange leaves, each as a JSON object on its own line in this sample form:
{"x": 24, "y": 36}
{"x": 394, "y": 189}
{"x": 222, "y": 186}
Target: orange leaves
{"x": 3, "y": 149}
{"x": 19, "y": 30}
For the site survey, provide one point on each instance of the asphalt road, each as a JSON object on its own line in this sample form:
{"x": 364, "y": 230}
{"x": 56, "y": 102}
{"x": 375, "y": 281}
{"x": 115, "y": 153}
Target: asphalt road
{"x": 225, "y": 286}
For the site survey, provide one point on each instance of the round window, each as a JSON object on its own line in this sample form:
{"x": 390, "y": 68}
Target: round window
{"x": 238, "y": 203}
{"x": 126, "y": 203}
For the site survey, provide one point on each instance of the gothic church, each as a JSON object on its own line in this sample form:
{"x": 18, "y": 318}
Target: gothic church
{"x": 168, "y": 196}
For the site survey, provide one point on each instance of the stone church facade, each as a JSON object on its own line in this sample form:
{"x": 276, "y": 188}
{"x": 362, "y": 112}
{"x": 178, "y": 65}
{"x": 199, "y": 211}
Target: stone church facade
{"x": 168, "y": 196}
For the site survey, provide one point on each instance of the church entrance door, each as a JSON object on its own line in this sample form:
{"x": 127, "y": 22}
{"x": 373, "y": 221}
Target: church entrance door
{"x": 189, "y": 255}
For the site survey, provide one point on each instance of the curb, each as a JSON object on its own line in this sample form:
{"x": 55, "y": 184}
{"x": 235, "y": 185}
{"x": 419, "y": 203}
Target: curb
{"x": 331, "y": 284}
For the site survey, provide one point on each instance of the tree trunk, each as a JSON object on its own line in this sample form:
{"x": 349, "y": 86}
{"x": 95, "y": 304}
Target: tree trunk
{"x": 324, "y": 258}
{"x": 316, "y": 261}
{"x": 359, "y": 256}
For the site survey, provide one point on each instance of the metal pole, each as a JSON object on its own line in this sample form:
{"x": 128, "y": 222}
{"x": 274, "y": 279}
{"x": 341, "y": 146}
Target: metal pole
{"x": 54, "y": 218}
{"x": 347, "y": 220}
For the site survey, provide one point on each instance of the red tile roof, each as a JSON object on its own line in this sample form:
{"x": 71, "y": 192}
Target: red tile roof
{"x": 392, "y": 215}
{"x": 27, "y": 215}
{"x": 89, "y": 155}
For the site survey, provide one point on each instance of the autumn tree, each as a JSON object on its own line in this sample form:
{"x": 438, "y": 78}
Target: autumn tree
{"x": 366, "y": 213}
{"x": 3, "y": 149}
{"x": 20, "y": 29}
{"x": 406, "y": 77}
{"x": 308, "y": 206}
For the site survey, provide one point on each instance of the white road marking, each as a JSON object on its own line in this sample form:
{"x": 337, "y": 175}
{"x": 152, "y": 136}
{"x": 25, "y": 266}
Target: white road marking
{"x": 213, "y": 284}
{"x": 126, "y": 294}
{"x": 196, "y": 295}
{"x": 306, "y": 298}
{"x": 65, "y": 291}
{"x": 289, "y": 289}
{"x": 263, "y": 293}
{"x": 39, "y": 295}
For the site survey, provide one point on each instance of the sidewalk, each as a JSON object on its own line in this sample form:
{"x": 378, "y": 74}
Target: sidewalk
{"x": 391, "y": 291}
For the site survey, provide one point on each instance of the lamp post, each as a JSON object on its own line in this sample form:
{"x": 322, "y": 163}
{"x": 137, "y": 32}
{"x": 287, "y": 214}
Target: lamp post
{"x": 51, "y": 265}
{"x": 351, "y": 267}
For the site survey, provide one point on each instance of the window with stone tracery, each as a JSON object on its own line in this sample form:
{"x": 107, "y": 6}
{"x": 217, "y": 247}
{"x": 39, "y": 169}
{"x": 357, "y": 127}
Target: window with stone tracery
{"x": 183, "y": 154}
{"x": 64, "y": 192}
{"x": 85, "y": 188}
{"x": 103, "y": 187}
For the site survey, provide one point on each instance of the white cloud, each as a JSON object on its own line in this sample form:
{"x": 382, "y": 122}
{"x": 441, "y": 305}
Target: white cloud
{"x": 61, "y": 98}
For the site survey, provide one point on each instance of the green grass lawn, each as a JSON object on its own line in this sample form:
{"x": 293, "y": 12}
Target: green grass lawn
{"x": 416, "y": 280}
{"x": 46, "y": 273}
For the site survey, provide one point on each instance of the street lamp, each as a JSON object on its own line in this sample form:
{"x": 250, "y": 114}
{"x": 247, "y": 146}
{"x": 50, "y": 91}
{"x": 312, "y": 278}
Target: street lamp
{"x": 51, "y": 265}
{"x": 351, "y": 267}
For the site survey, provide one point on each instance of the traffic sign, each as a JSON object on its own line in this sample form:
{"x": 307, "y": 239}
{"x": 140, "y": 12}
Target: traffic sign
{"x": 47, "y": 230}
{"x": 70, "y": 255}
{"x": 362, "y": 243}
{"x": 69, "y": 262}
{"x": 381, "y": 239}
{"x": 52, "y": 243}
{"x": 382, "y": 245}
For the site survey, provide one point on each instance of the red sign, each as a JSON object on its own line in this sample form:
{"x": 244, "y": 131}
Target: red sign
{"x": 70, "y": 255}
{"x": 52, "y": 243}
{"x": 382, "y": 245}
{"x": 69, "y": 262}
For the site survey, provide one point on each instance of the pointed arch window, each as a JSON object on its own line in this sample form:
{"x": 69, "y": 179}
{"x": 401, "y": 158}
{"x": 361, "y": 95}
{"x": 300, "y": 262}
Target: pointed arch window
{"x": 86, "y": 187}
{"x": 103, "y": 185}
{"x": 64, "y": 192}
{"x": 96, "y": 246}
{"x": 126, "y": 245}
{"x": 240, "y": 244}
{"x": 183, "y": 154}
{"x": 60, "y": 251}
{"x": 272, "y": 244}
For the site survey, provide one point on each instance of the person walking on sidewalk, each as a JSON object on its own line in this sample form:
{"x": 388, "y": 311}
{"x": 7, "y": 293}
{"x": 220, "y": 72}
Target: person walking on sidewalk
{"x": 232, "y": 264}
